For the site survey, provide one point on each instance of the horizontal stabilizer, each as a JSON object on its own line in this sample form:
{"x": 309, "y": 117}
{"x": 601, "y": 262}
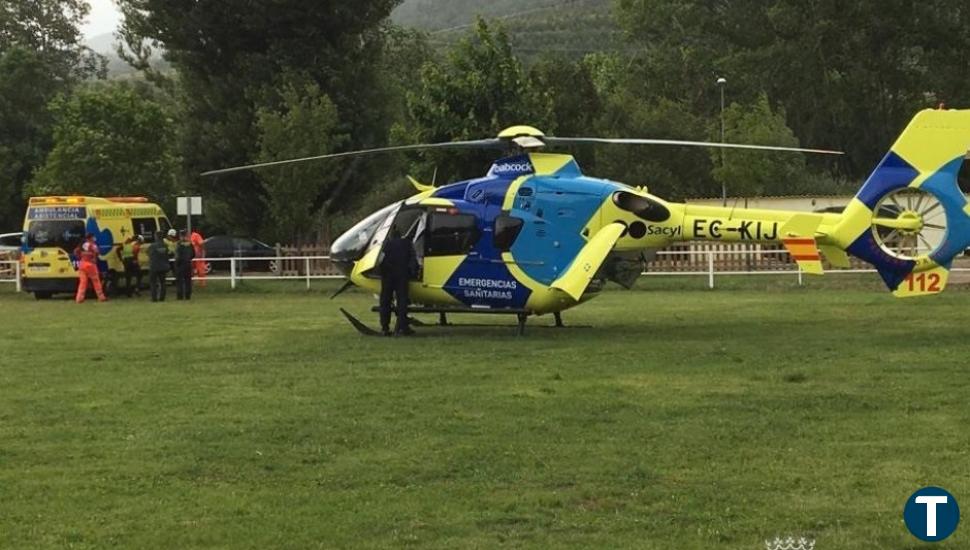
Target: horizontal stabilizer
{"x": 421, "y": 187}
{"x": 836, "y": 256}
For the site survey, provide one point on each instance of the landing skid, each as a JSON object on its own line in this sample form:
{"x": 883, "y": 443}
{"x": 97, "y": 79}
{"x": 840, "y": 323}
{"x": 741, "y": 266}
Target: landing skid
{"x": 361, "y": 327}
{"x": 521, "y": 316}
{"x": 367, "y": 331}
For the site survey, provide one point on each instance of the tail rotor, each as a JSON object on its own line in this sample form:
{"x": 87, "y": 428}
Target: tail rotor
{"x": 910, "y": 219}
{"x": 909, "y": 224}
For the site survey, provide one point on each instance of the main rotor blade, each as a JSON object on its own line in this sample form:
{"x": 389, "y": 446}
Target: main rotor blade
{"x": 673, "y": 142}
{"x": 474, "y": 144}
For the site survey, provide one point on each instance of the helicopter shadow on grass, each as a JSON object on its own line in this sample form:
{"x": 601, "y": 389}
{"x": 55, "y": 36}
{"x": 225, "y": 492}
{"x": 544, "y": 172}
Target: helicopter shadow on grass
{"x": 451, "y": 328}
{"x": 675, "y": 328}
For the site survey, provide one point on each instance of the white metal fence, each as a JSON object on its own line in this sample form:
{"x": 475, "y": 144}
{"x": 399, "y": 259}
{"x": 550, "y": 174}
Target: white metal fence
{"x": 10, "y": 273}
{"x": 237, "y": 269}
{"x": 311, "y": 268}
{"x": 711, "y": 271}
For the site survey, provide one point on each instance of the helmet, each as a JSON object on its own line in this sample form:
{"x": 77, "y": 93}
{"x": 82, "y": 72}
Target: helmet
{"x": 172, "y": 233}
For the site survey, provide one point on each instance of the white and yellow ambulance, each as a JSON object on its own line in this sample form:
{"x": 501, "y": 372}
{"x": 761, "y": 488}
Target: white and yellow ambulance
{"x": 55, "y": 226}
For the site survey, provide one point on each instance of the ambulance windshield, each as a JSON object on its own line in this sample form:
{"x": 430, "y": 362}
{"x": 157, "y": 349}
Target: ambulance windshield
{"x": 65, "y": 234}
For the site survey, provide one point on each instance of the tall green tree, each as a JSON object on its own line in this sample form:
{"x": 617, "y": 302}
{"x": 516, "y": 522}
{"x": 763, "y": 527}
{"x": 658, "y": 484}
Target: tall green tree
{"x": 569, "y": 86}
{"x": 479, "y": 89}
{"x": 848, "y": 75}
{"x": 303, "y": 126}
{"x": 405, "y": 53}
{"x": 758, "y": 173}
{"x": 671, "y": 172}
{"x": 109, "y": 140}
{"x": 26, "y": 85}
{"x": 50, "y": 28}
{"x": 230, "y": 55}
{"x": 41, "y": 56}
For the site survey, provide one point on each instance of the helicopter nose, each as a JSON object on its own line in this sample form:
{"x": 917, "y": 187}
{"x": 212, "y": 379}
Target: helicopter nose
{"x": 353, "y": 244}
{"x": 343, "y": 260}
{"x": 345, "y": 267}
{"x": 345, "y": 252}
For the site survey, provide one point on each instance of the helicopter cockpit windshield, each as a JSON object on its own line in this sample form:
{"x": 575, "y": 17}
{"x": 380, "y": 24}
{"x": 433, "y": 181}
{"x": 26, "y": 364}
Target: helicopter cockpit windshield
{"x": 351, "y": 246}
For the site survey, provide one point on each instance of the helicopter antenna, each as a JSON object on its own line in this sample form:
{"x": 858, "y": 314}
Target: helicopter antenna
{"x": 733, "y": 208}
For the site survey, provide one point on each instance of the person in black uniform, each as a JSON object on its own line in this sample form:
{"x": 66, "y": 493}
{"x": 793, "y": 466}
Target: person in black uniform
{"x": 397, "y": 265}
{"x": 158, "y": 267}
{"x": 184, "y": 254}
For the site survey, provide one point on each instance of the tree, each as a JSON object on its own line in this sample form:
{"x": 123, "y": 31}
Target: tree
{"x": 848, "y": 75}
{"x": 405, "y": 53}
{"x": 110, "y": 140}
{"x": 40, "y": 57}
{"x": 50, "y": 29}
{"x": 230, "y": 56}
{"x": 477, "y": 91}
{"x": 671, "y": 172}
{"x": 26, "y": 85}
{"x": 570, "y": 89}
{"x": 303, "y": 126}
{"x": 758, "y": 173}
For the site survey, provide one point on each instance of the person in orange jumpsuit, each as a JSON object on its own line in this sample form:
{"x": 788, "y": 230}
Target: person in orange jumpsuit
{"x": 198, "y": 243}
{"x": 88, "y": 270}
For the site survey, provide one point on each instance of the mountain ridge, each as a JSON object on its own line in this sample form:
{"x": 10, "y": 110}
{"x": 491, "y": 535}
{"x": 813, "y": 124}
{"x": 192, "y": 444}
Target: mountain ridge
{"x": 535, "y": 27}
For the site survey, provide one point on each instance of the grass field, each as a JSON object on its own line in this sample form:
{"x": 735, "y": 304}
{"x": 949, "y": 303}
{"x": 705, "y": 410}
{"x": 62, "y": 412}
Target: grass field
{"x": 683, "y": 418}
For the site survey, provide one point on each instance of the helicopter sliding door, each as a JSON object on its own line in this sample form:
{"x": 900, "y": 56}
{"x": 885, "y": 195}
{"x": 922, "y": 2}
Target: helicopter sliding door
{"x": 407, "y": 221}
{"x": 368, "y": 264}
{"x": 449, "y": 238}
{"x": 410, "y": 224}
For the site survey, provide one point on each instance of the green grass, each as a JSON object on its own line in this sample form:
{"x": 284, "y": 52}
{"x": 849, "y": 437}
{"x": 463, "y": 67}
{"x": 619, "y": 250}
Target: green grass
{"x": 683, "y": 418}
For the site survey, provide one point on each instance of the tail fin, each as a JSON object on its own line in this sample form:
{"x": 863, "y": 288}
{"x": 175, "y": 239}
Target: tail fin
{"x": 798, "y": 236}
{"x": 910, "y": 219}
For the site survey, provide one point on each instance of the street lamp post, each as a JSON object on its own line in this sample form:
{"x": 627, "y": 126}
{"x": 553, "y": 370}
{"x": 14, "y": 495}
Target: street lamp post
{"x": 721, "y": 82}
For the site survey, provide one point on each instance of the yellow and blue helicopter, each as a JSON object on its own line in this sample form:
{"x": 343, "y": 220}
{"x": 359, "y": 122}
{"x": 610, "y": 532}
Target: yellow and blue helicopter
{"x": 536, "y": 236}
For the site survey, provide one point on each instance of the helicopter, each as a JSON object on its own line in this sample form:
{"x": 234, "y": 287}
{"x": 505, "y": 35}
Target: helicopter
{"x": 536, "y": 236}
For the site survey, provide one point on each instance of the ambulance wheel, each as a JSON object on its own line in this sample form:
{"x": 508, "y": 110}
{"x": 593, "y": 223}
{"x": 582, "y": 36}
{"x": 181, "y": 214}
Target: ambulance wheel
{"x": 39, "y": 295}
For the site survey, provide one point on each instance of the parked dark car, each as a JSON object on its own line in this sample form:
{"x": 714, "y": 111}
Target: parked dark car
{"x": 223, "y": 246}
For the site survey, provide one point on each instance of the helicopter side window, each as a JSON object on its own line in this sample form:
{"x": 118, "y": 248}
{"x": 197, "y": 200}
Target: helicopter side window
{"x": 450, "y": 234}
{"x": 507, "y": 229}
{"x": 406, "y": 222}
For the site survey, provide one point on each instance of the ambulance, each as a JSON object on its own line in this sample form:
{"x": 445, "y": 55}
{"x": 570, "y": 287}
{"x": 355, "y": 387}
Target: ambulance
{"x": 55, "y": 226}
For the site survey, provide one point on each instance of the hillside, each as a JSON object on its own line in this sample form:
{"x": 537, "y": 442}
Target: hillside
{"x": 567, "y": 27}
{"x": 570, "y": 27}
{"x": 106, "y": 44}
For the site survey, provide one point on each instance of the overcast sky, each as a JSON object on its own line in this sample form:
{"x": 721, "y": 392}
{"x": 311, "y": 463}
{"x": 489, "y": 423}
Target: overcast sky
{"x": 104, "y": 18}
